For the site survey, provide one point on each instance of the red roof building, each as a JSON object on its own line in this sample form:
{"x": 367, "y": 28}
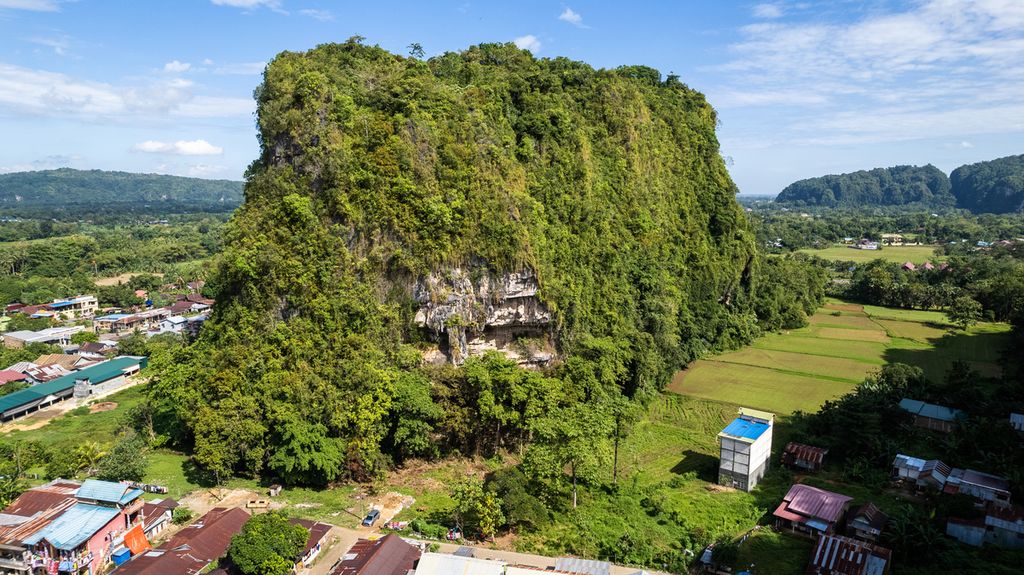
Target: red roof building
{"x": 193, "y": 548}
{"x": 386, "y": 556}
{"x": 803, "y": 456}
{"x": 810, "y": 510}
{"x": 314, "y": 543}
{"x": 7, "y": 376}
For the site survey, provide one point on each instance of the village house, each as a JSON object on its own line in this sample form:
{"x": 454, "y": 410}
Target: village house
{"x": 31, "y": 511}
{"x": 909, "y": 266}
{"x": 173, "y": 324}
{"x": 314, "y": 543}
{"x": 157, "y": 516}
{"x": 9, "y": 376}
{"x": 931, "y": 416}
{"x": 931, "y": 473}
{"x": 745, "y": 447}
{"x": 810, "y": 510}
{"x": 53, "y": 335}
{"x": 1000, "y": 526}
{"x": 866, "y": 522}
{"x": 44, "y": 373}
{"x": 389, "y": 555}
{"x": 81, "y": 539}
{"x": 193, "y": 548}
{"x": 803, "y": 456}
{"x": 984, "y": 486}
{"x": 866, "y": 244}
{"x": 892, "y": 239}
{"x": 83, "y": 306}
{"x": 838, "y": 555}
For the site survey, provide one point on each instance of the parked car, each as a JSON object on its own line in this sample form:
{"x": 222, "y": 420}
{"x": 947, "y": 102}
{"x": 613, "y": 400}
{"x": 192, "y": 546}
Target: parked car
{"x": 371, "y": 518}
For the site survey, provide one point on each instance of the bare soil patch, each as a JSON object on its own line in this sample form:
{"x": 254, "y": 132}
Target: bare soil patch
{"x": 102, "y": 406}
{"x": 850, "y": 307}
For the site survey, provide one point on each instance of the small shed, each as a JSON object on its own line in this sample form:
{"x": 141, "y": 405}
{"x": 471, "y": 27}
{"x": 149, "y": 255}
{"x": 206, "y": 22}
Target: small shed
{"x": 275, "y": 490}
{"x": 866, "y": 522}
{"x": 909, "y": 266}
{"x": 804, "y": 456}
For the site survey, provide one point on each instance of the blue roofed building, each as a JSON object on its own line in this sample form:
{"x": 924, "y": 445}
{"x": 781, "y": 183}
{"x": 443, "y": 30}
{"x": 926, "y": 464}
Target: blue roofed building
{"x": 83, "y": 537}
{"x": 745, "y": 448}
{"x": 931, "y": 416}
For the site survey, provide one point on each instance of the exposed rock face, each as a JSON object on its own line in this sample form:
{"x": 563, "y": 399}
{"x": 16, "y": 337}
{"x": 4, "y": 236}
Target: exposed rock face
{"x": 472, "y": 310}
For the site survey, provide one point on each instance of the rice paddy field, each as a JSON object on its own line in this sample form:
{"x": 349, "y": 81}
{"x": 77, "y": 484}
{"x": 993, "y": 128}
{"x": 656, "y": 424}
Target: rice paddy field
{"x": 843, "y": 343}
{"x": 899, "y": 254}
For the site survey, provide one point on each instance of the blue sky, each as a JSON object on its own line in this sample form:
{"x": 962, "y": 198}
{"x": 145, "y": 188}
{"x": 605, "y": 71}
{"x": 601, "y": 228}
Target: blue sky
{"x": 802, "y": 88}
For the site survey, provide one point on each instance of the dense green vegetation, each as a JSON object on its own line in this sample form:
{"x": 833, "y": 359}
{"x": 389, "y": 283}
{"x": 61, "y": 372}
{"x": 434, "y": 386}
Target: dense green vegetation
{"x": 65, "y": 191}
{"x": 267, "y": 545}
{"x": 925, "y": 187}
{"x": 996, "y": 186}
{"x": 377, "y": 169}
{"x": 821, "y": 228}
{"x": 45, "y": 260}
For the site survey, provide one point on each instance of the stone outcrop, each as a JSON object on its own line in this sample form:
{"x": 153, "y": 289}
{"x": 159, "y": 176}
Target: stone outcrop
{"x": 470, "y": 310}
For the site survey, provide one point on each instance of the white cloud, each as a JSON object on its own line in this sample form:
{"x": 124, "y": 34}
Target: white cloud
{"x": 571, "y": 16}
{"x": 46, "y": 163}
{"x": 528, "y": 42}
{"x": 177, "y": 67}
{"x": 321, "y": 15}
{"x": 43, "y": 93}
{"x": 60, "y": 45}
{"x": 206, "y": 170}
{"x": 274, "y": 5}
{"x": 239, "y": 69}
{"x": 938, "y": 68}
{"x": 767, "y": 11}
{"x": 181, "y": 148}
{"x": 966, "y": 145}
{"x": 33, "y": 5}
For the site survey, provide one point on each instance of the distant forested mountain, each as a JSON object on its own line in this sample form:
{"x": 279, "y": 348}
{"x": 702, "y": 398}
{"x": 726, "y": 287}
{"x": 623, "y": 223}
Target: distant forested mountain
{"x": 57, "y": 189}
{"x": 996, "y": 186}
{"x": 924, "y": 186}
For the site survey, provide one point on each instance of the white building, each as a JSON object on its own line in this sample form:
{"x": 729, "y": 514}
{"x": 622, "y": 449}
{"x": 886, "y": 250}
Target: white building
{"x": 745, "y": 449}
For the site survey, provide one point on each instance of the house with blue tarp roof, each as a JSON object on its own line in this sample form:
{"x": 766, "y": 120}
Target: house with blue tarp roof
{"x": 82, "y": 539}
{"x": 745, "y": 447}
{"x": 932, "y": 416}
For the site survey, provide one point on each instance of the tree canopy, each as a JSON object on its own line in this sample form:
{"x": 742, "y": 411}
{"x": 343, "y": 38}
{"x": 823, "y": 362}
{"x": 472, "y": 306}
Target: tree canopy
{"x": 996, "y": 186}
{"x": 920, "y": 186}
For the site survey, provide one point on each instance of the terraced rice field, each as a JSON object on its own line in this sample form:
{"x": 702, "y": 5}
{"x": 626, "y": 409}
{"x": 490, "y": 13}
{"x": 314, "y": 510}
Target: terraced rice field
{"x": 843, "y": 344}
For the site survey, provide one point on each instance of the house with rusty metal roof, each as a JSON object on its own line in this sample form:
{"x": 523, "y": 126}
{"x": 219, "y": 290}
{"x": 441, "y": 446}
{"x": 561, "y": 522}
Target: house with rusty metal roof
{"x": 193, "y": 549}
{"x": 838, "y": 555}
{"x": 389, "y": 555}
{"x": 315, "y": 541}
{"x": 810, "y": 510}
{"x": 998, "y": 526}
{"x": 803, "y": 456}
{"x": 866, "y": 522}
{"x": 30, "y": 512}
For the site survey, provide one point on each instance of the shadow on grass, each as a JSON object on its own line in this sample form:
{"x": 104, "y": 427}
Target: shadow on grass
{"x": 704, "y": 465}
{"x": 981, "y": 349}
{"x": 197, "y": 475}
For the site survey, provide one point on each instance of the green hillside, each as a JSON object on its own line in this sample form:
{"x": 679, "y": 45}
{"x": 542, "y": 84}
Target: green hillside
{"x": 66, "y": 187}
{"x": 917, "y": 186}
{"x": 994, "y": 187}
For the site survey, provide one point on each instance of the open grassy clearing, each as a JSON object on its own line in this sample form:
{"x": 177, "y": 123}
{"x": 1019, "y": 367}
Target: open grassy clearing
{"x": 759, "y": 387}
{"x": 897, "y": 254}
{"x": 846, "y": 320}
{"x": 800, "y": 369}
{"x": 834, "y": 368}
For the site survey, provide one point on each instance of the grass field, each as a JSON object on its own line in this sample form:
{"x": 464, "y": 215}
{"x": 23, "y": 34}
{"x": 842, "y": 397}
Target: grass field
{"x": 803, "y": 368}
{"x": 897, "y": 254}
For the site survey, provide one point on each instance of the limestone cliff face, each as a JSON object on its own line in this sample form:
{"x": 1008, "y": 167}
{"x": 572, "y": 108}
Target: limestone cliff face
{"x": 470, "y": 310}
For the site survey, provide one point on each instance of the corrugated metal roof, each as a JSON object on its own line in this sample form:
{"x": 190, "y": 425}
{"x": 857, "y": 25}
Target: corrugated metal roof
{"x": 908, "y": 462}
{"x": 834, "y": 555}
{"x": 1017, "y": 421}
{"x": 744, "y": 429}
{"x": 807, "y": 453}
{"x": 817, "y": 503}
{"x": 441, "y": 564}
{"x": 75, "y": 526}
{"x": 98, "y": 373}
{"x": 930, "y": 410}
{"x": 107, "y": 491}
{"x": 588, "y": 566}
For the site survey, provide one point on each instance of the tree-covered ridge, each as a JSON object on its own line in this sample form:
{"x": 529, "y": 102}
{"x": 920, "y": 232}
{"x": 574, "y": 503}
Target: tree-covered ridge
{"x": 994, "y": 187}
{"x": 67, "y": 187}
{"x": 377, "y": 169}
{"x": 920, "y": 186}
